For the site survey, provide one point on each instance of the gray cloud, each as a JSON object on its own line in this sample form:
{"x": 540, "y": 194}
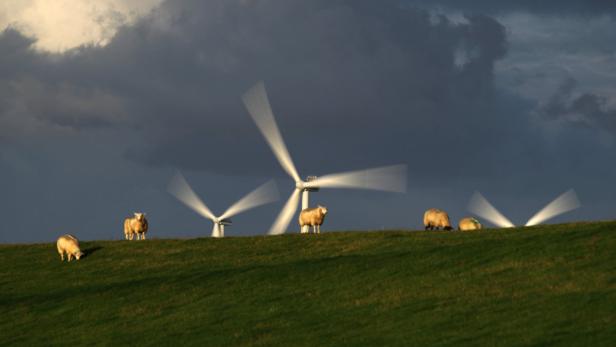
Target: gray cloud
{"x": 586, "y": 109}
{"x": 570, "y": 7}
{"x": 337, "y": 68}
{"x": 353, "y": 84}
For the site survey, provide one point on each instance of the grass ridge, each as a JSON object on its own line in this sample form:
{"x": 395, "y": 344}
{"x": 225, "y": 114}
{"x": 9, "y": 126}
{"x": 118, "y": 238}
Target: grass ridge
{"x": 545, "y": 285}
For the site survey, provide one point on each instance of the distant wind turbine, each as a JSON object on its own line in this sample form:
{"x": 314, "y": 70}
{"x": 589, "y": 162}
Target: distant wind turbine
{"x": 566, "y": 202}
{"x": 179, "y": 188}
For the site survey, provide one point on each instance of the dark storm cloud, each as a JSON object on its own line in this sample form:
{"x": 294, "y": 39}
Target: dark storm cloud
{"x": 356, "y": 80}
{"x": 574, "y": 7}
{"x": 353, "y": 84}
{"x": 39, "y": 97}
{"x": 586, "y": 109}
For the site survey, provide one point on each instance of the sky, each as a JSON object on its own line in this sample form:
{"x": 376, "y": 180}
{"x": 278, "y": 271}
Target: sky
{"x": 102, "y": 102}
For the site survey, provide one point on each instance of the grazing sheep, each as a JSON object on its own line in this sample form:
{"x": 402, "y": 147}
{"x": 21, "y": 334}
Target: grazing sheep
{"x": 313, "y": 217}
{"x": 70, "y": 245}
{"x": 435, "y": 218}
{"x": 135, "y": 225}
{"x": 469, "y": 223}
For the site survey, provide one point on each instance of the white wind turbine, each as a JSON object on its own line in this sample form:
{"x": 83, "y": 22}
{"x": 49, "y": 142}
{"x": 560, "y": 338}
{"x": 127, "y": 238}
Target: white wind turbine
{"x": 265, "y": 194}
{"x": 566, "y": 202}
{"x": 388, "y": 178}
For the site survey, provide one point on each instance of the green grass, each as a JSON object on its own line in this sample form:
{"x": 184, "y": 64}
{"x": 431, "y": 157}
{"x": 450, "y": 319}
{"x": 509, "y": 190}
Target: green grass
{"x": 547, "y": 285}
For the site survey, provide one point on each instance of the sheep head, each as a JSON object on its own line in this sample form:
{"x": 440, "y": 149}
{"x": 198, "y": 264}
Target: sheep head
{"x": 322, "y": 209}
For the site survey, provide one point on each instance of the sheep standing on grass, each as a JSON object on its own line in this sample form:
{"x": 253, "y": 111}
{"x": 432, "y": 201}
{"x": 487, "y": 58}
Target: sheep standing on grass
{"x": 435, "y": 219}
{"x": 313, "y": 217}
{"x": 70, "y": 245}
{"x": 469, "y": 223}
{"x": 136, "y": 225}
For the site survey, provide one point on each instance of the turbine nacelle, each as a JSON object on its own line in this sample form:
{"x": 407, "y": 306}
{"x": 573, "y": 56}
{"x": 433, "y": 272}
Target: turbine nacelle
{"x": 223, "y": 221}
{"x": 308, "y": 185}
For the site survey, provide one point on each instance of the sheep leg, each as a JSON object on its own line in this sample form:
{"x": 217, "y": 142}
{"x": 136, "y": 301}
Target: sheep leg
{"x": 62, "y": 256}
{"x": 318, "y": 229}
{"x": 143, "y": 236}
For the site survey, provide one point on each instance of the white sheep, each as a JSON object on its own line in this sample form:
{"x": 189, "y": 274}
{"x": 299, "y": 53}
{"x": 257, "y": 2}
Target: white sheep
{"x": 469, "y": 223}
{"x": 435, "y": 218}
{"x": 313, "y": 217}
{"x": 136, "y": 225}
{"x": 70, "y": 245}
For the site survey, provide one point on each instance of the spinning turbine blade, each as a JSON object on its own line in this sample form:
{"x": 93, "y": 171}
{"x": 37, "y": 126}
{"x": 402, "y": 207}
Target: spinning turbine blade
{"x": 387, "y": 178}
{"x": 179, "y": 188}
{"x": 566, "y": 202}
{"x": 266, "y": 193}
{"x": 257, "y": 104}
{"x": 284, "y": 218}
{"x": 481, "y": 207}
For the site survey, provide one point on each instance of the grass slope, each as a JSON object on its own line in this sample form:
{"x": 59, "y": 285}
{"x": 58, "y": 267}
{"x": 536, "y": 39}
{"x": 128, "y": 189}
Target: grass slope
{"x": 547, "y": 285}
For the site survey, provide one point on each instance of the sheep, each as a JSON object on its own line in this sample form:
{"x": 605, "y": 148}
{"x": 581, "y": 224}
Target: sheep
{"x": 70, "y": 245}
{"x": 135, "y": 225}
{"x": 313, "y": 217}
{"x": 469, "y": 223}
{"x": 435, "y": 218}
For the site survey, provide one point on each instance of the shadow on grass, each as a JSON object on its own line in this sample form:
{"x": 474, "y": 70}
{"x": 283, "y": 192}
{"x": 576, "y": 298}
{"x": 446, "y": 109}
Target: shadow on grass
{"x": 88, "y": 251}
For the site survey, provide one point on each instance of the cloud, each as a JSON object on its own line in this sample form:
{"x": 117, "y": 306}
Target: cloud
{"x": 353, "y": 84}
{"x": 544, "y": 50}
{"x": 585, "y": 109}
{"x": 61, "y": 25}
{"x": 354, "y": 80}
{"x": 551, "y": 7}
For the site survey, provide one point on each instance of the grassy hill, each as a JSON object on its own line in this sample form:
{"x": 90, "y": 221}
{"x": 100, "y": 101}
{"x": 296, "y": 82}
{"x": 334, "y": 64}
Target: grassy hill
{"x": 547, "y": 285}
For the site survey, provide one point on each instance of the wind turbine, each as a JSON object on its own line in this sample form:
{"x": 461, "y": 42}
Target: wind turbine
{"x": 566, "y": 202}
{"x": 388, "y": 178}
{"x": 265, "y": 194}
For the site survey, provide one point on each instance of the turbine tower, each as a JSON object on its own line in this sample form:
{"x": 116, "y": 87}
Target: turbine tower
{"x": 566, "y": 202}
{"x": 179, "y": 188}
{"x": 388, "y": 178}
